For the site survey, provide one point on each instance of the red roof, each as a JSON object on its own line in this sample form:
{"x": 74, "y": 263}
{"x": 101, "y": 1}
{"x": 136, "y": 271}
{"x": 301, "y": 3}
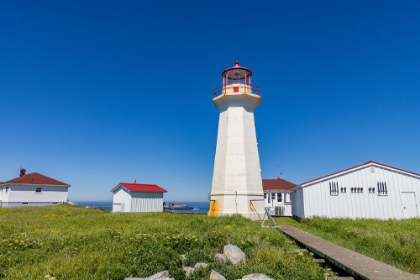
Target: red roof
{"x": 36, "y": 179}
{"x": 362, "y": 165}
{"x": 277, "y": 184}
{"x": 140, "y": 187}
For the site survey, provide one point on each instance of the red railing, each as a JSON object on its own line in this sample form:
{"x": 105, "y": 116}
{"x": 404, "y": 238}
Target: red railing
{"x": 222, "y": 89}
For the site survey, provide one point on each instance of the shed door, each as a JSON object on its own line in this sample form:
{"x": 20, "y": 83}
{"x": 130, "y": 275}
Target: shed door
{"x": 118, "y": 207}
{"x": 409, "y": 204}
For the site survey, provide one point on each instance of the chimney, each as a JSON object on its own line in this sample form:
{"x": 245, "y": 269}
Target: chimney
{"x": 22, "y": 172}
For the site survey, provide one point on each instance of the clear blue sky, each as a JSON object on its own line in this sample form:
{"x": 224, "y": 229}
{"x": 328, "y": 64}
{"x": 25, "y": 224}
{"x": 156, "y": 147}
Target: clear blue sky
{"x": 94, "y": 93}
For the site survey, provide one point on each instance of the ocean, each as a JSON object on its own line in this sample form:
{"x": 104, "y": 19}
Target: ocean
{"x": 198, "y": 207}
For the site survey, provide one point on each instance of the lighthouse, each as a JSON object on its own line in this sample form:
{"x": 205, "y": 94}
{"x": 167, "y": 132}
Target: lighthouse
{"x": 237, "y": 184}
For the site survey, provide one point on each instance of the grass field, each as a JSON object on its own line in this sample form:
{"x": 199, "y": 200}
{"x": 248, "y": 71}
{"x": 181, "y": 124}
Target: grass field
{"x": 67, "y": 242}
{"x": 395, "y": 242}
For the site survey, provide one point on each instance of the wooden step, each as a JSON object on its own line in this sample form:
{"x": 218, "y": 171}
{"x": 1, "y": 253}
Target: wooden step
{"x": 320, "y": 261}
{"x": 340, "y": 278}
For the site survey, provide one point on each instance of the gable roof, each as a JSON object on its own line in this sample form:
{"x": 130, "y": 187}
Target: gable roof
{"x": 35, "y": 179}
{"x": 277, "y": 184}
{"x": 360, "y": 166}
{"x": 133, "y": 187}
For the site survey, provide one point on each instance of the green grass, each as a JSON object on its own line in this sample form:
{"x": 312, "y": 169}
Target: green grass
{"x": 67, "y": 242}
{"x": 395, "y": 242}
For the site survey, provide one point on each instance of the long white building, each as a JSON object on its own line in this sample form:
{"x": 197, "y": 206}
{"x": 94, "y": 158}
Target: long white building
{"x": 369, "y": 190}
{"x": 132, "y": 197}
{"x": 32, "y": 189}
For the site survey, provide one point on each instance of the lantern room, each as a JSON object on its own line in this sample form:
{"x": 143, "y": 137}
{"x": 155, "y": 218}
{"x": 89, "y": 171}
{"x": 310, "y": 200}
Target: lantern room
{"x": 236, "y": 79}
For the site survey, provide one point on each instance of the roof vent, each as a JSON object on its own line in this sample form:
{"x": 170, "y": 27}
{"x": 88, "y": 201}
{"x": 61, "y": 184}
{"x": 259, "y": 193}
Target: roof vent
{"x": 22, "y": 172}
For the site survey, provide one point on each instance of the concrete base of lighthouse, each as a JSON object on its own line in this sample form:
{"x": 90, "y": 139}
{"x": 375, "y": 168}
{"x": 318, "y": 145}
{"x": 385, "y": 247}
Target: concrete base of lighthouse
{"x": 249, "y": 206}
{"x": 237, "y": 183}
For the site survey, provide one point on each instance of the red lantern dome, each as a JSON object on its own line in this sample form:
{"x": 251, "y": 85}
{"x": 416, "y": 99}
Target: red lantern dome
{"x": 236, "y": 75}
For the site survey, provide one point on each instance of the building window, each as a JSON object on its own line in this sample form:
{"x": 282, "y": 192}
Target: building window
{"x": 333, "y": 188}
{"x": 7, "y": 189}
{"x": 273, "y": 196}
{"x": 55, "y": 202}
{"x": 382, "y": 188}
{"x": 38, "y": 190}
{"x": 25, "y": 202}
{"x": 265, "y": 195}
{"x": 279, "y": 197}
{"x": 356, "y": 190}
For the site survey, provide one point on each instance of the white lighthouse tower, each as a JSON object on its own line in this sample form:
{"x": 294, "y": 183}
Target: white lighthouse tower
{"x": 237, "y": 184}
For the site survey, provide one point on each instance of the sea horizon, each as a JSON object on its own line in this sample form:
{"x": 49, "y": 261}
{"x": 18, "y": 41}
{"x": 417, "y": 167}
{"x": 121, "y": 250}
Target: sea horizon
{"x": 198, "y": 207}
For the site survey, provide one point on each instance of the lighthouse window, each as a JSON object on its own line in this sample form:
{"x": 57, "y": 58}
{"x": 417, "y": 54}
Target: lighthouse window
{"x": 265, "y": 195}
{"x": 279, "y": 197}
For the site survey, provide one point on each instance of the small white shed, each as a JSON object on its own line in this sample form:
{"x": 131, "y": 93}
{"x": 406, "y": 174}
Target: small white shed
{"x": 132, "y": 197}
{"x": 277, "y": 196}
{"x": 32, "y": 189}
{"x": 370, "y": 190}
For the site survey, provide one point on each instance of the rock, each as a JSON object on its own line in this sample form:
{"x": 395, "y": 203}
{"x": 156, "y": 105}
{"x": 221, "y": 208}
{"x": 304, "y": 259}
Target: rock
{"x": 256, "y": 276}
{"x": 221, "y": 257}
{"x": 216, "y": 276}
{"x": 188, "y": 270}
{"x": 234, "y": 254}
{"x": 163, "y": 275}
{"x": 198, "y": 265}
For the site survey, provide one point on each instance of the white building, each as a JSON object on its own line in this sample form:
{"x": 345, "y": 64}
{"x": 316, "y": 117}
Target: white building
{"x": 130, "y": 197}
{"x": 237, "y": 184}
{"x": 277, "y": 196}
{"x": 32, "y": 189}
{"x": 369, "y": 190}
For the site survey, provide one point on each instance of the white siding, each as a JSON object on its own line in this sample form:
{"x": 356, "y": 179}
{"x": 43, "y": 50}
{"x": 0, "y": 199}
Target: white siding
{"x": 147, "y": 202}
{"x": 297, "y": 203}
{"x": 122, "y": 198}
{"x": 319, "y": 202}
{"x": 17, "y": 195}
{"x": 126, "y": 201}
{"x": 282, "y": 208}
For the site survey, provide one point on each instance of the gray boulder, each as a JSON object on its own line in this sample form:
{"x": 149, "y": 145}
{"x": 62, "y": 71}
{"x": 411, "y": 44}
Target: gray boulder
{"x": 216, "y": 276}
{"x": 256, "y": 276}
{"x": 198, "y": 265}
{"x": 188, "y": 270}
{"x": 234, "y": 254}
{"x": 221, "y": 257}
{"x": 163, "y": 275}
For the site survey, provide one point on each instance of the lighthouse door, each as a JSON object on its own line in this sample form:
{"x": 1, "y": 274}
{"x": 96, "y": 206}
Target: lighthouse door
{"x": 408, "y": 201}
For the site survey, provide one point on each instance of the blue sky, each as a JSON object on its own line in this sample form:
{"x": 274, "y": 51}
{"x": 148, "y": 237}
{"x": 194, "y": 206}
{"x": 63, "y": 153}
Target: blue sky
{"x": 94, "y": 93}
